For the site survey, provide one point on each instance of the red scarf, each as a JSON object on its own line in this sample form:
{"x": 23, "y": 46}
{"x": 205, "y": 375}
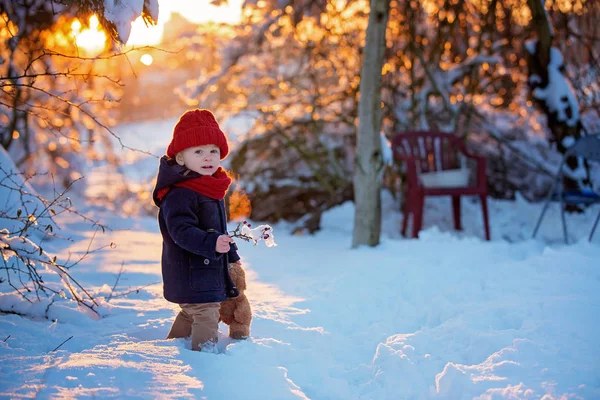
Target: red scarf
{"x": 214, "y": 186}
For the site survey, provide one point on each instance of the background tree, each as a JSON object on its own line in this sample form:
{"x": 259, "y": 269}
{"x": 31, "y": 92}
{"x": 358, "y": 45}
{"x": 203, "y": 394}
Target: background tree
{"x": 552, "y": 90}
{"x": 369, "y": 167}
{"x": 58, "y": 100}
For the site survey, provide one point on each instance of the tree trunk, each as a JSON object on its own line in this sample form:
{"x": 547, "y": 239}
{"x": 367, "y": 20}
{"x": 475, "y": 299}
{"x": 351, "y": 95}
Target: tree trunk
{"x": 560, "y": 106}
{"x": 369, "y": 161}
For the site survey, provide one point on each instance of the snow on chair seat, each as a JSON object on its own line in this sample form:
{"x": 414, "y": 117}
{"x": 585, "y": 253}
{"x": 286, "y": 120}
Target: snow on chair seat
{"x": 435, "y": 163}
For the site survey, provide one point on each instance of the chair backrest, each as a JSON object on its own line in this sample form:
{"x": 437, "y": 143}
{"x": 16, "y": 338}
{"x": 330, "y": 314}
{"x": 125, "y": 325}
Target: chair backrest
{"x": 432, "y": 151}
{"x": 587, "y": 147}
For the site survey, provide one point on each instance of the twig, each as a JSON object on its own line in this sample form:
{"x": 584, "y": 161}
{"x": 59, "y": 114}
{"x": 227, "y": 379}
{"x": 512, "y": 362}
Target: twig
{"x": 15, "y": 186}
{"x": 524, "y": 157}
{"x": 116, "y": 282}
{"x": 136, "y": 290}
{"x": 48, "y": 308}
{"x": 58, "y": 347}
{"x": 11, "y": 312}
{"x": 237, "y": 233}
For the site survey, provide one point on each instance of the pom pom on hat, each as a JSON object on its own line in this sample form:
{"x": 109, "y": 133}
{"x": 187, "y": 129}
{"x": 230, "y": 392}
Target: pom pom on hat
{"x": 197, "y": 128}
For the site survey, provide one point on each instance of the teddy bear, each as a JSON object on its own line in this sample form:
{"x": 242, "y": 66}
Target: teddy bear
{"x": 236, "y": 312}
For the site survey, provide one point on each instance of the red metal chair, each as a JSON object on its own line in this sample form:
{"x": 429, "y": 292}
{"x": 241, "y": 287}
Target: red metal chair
{"x": 423, "y": 152}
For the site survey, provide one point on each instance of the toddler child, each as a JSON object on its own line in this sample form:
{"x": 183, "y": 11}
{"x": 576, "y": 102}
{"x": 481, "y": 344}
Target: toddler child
{"x": 196, "y": 250}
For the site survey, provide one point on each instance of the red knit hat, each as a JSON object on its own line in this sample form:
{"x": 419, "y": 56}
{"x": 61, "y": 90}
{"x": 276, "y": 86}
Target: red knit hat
{"x": 197, "y": 128}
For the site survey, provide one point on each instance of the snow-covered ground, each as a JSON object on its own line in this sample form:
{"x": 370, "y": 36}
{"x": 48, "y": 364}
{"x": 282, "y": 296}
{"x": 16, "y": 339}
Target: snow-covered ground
{"x": 447, "y": 316}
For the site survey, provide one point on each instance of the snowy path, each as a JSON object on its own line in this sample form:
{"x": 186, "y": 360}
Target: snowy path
{"x": 440, "y": 317}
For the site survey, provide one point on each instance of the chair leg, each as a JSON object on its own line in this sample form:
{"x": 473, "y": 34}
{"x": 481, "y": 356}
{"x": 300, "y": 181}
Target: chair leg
{"x": 406, "y": 211}
{"x": 456, "y": 212}
{"x": 594, "y": 227}
{"x": 539, "y": 221}
{"x": 548, "y": 199}
{"x": 486, "y": 221}
{"x": 417, "y": 215}
{"x": 564, "y": 222}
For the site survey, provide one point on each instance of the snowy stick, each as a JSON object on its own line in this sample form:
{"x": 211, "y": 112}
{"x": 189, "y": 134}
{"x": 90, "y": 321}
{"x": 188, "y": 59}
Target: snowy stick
{"x": 245, "y": 232}
{"x": 58, "y": 347}
{"x": 116, "y": 282}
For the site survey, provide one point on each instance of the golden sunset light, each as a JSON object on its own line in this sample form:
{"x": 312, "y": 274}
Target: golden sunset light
{"x": 92, "y": 38}
{"x": 341, "y": 199}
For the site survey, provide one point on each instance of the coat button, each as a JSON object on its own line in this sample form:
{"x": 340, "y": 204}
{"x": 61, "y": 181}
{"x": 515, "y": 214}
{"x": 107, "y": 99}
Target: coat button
{"x": 206, "y": 261}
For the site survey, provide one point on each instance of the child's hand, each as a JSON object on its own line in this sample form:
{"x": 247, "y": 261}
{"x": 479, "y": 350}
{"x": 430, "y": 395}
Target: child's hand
{"x": 223, "y": 243}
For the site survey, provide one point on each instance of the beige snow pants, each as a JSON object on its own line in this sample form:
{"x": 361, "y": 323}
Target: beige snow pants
{"x": 201, "y": 321}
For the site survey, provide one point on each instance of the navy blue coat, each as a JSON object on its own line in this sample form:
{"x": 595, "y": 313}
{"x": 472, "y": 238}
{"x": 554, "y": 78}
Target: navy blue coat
{"x": 190, "y": 223}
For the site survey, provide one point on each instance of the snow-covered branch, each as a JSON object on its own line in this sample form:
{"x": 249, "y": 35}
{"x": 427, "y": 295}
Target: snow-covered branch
{"x": 557, "y": 92}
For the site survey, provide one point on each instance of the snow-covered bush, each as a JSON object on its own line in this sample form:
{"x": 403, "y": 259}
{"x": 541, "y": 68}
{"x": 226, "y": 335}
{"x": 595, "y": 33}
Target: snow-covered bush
{"x": 56, "y": 109}
{"x": 31, "y": 279}
{"x": 32, "y": 282}
{"x": 296, "y": 71}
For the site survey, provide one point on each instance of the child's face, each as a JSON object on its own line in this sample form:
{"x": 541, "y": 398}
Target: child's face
{"x": 204, "y": 160}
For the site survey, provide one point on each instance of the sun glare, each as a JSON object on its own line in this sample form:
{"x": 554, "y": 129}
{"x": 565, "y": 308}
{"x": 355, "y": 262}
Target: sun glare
{"x": 146, "y": 59}
{"x": 92, "y": 38}
{"x": 196, "y": 11}
{"x": 143, "y": 35}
